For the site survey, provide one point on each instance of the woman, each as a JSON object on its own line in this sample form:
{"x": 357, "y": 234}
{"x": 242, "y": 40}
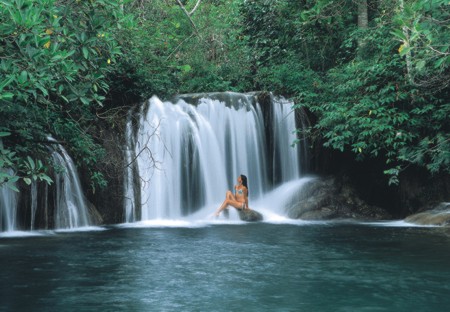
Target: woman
{"x": 240, "y": 198}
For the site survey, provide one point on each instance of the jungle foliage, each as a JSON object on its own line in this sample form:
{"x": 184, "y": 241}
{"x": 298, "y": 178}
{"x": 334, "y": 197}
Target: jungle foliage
{"x": 378, "y": 88}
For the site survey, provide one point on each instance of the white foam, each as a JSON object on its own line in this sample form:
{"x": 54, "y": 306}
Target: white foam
{"x": 21, "y": 234}
{"x": 396, "y": 223}
{"x": 162, "y": 223}
{"x": 82, "y": 229}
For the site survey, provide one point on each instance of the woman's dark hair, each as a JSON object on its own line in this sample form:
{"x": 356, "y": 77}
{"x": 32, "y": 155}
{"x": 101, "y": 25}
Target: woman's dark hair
{"x": 244, "y": 182}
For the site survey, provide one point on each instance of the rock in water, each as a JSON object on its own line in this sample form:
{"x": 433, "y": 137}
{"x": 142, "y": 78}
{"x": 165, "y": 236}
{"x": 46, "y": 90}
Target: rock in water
{"x": 440, "y": 215}
{"x": 250, "y": 215}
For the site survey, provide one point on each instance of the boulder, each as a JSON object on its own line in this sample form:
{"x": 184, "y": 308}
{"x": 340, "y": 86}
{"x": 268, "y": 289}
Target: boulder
{"x": 250, "y": 215}
{"x": 329, "y": 198}
{"x": 439, "y": 215}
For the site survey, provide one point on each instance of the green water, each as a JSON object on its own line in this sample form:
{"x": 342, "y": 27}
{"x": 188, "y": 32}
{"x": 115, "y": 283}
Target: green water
{"x": 229, "y": 267}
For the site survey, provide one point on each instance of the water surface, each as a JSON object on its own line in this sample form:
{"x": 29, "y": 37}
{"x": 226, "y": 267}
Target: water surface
{"x": 228, "y": 267}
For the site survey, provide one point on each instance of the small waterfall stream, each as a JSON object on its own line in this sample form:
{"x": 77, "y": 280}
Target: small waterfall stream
{"x": 188, "y": 155}
{"x": 69, "y": 209}
{"x": 34, "y": 202}
{"x": 8, "y": 207}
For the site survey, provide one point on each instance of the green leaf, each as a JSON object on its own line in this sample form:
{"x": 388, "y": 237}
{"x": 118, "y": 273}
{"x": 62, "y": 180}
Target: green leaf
{"x": 6, "y": 82}
{"x": 439, "y": 62}
{"x": 12, "y": 187}
{"x": 185, "y": 68}
{"x": 31, "y": 162}
{"x": 84, "y": 100}
{"x": 405, "y": 51}
{"x": 420, "y": 65}
{"x": 399, "y": 34}
{"x": 85, "y": 52}
{"x": 46, "y": 178}
{"x": 27, "y": 181}
{"x": 6, "y": 96}
{"x": 23, "y": 77}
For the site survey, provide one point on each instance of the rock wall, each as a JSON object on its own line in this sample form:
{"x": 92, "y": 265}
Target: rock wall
{"x": 109, "y": 201}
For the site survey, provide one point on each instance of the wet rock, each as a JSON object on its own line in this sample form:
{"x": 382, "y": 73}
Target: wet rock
{"x": 326, "y": 199}
{"x": 250, "y": 215}
{"x": 95, "y": 216}
{"x": 439, "y": 215}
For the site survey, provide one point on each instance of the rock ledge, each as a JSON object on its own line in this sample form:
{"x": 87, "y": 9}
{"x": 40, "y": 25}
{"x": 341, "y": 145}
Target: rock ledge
{"x": 440, "y": 215}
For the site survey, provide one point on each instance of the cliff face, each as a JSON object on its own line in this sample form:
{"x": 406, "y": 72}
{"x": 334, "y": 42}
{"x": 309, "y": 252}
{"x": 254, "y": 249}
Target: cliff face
{"x": 109, "y": 201}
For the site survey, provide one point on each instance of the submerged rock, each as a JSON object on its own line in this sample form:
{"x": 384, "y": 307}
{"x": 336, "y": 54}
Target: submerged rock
{"x": 250, "y": 215}
{"x": 440, "y": 215}
{"x": 326, "y": 199}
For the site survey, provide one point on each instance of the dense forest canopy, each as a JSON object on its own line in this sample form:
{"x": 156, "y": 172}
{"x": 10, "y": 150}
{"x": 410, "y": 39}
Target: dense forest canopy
{"x": 375, "y": 73}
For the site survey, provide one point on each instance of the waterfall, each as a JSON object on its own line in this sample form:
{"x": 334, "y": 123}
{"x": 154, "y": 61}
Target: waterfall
{"x": 188, "y": 155}
{"x": 129, "y": 200}
{"x": 286, "y": 159}
{"x": 71, "y": 209}
{"x": 34, "y": 199}
{"x": 8, "y": 207}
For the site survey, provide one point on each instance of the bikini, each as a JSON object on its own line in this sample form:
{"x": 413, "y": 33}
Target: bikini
{"x": 241, "y": 192}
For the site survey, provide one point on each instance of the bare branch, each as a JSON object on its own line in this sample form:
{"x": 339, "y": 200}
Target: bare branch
{"x": 178, "y": 46}
{"x": 188, "y": 16}
{"x": 438, "y": 52}
{"x": 195, "y": 7}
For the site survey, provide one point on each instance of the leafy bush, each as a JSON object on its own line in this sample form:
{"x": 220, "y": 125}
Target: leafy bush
{"x": 55, "y": 58}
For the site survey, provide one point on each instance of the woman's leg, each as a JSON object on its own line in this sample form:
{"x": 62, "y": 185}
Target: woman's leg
{"x": 228, "y": 196}
{"x": 229, "y": 200}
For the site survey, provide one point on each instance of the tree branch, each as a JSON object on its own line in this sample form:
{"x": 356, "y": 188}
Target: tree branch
{"x": 195, "y": 7}
{"x": 188, "y": 16}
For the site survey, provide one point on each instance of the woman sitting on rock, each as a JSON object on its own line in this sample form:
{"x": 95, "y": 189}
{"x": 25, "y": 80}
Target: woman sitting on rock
{"x": 239, "y": 200}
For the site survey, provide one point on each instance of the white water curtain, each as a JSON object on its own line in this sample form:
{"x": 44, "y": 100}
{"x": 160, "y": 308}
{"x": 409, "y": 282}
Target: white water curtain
{"x": 188, "y": 156}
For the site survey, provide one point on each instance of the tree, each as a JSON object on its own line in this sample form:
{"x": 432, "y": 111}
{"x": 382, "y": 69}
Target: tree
{"x": 55, "y": 58}
{"x": 368, "y": 104}
{"x": 363, "y": 16}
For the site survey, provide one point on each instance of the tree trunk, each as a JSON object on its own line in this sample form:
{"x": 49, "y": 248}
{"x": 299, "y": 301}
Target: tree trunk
{"x": 363, "y": 22}
{"x": 406, "y": 44}
{"x": 363, "y": 16}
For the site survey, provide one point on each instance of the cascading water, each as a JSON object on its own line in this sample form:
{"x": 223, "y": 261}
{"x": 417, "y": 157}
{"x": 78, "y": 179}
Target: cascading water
{"x": 283, "y": 127}
{"x": 189, "y": 155}
{"x": 34, "y": 195}
{"x": 71, "y": 210}
{"x": 129, "y": 202}
{"x": 8, "y": 207}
